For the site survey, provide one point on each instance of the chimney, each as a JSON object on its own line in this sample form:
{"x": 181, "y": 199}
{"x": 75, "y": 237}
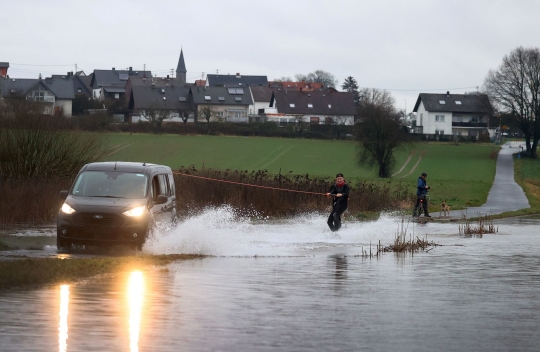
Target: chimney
{"x": 238, "y": 75}
{"x": 167, "y": 77}
{"x": 130, "y": 69}
{"x": 447, "y": 93}
{"x": 113, "y": 68}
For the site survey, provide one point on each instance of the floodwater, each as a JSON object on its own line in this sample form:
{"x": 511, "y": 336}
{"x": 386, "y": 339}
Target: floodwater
{"x": 295, "y": 286}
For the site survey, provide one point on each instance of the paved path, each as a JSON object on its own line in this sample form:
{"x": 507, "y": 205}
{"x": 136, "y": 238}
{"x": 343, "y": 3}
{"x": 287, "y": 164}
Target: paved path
{"x": 505, "y": 194}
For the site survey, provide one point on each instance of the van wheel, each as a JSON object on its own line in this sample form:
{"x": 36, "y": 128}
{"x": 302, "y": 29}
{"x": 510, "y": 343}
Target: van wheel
{"x": 62, "y": 244}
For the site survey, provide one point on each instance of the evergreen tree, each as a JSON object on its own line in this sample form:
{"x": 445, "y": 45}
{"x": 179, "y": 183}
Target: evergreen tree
{"x": 350, "y": 85}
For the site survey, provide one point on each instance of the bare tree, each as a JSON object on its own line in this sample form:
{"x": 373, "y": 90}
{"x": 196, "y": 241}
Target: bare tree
{"x": 283, "y": 79}
{"x": 209, "y": 113}
{"x": 379, "y": 131}
{"x": 300, "y": 124}
{"x": 185, "y": 114}
{"x": 319, "y": 76}
{"x": 514, "y": 88}
{"x": 157, "y": 116}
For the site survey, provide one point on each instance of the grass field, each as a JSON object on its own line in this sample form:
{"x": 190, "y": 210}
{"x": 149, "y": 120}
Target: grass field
{"x": 461, "y": 174}
{"x": 528, "y": 177}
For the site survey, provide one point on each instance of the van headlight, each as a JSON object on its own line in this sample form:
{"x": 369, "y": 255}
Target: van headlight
{"x": 135, "y": 211}
{"x": 66, "y": 209}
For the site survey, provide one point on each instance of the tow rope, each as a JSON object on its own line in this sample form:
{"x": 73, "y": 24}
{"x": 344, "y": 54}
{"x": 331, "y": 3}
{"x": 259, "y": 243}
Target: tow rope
{"x": 249, "y": 185}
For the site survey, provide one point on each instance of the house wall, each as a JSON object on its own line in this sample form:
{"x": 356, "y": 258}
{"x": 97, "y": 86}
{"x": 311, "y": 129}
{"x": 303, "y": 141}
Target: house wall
{"x": 428, "y": 121}
{"x": 226, "y": 110}
{"x": 254, "y": 109}
{"x": 174, "y": 117}
{"x": 66, "y": 105}
{"x": 347, "y": 120}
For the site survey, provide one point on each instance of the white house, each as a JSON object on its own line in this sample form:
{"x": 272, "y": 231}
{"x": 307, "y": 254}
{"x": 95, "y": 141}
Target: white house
{"x": 56, "y": 94}
{"x": 465, "y": 115}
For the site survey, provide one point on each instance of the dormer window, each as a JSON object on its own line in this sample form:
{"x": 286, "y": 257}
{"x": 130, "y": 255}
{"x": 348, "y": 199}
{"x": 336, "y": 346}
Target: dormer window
{"x": 458, "y": 102}
{"x": 309, "y": 105}
{"x": 207, "y": 97}
{"x": 291, "y": 105}
{"x": 442, "y": 102}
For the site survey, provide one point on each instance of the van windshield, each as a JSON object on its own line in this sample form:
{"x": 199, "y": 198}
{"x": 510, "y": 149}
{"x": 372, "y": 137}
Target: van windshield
{"x": 112, "y": 184}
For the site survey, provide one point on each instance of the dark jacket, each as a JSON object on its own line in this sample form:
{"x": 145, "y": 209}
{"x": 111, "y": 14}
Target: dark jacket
{"x": 421, "y": 188}
{"x": 344, "y": 199}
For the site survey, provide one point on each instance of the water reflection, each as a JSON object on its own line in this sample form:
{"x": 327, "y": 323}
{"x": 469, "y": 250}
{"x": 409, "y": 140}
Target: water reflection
{"x": 135, "y": 300}
{"x": 62, "y": 325}
{"x": 340, "y": 266}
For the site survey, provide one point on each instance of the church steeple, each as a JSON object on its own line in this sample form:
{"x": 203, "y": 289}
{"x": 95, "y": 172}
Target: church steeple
{"x": 181, "y": 69}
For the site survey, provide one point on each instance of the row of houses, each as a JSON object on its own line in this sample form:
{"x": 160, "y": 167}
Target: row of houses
{"x": 241, "y": 98}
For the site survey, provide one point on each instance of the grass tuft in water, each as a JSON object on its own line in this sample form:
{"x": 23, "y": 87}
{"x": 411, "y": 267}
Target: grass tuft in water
{"x": 478, "y": 227}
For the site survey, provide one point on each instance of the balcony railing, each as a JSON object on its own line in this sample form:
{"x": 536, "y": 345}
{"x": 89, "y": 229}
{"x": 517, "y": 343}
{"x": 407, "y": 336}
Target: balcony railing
{"x": 470, "y": 124}
{"x": 47, "y": 99}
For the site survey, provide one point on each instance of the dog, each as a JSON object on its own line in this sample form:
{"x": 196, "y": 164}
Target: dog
{"x": 445, "y": 208}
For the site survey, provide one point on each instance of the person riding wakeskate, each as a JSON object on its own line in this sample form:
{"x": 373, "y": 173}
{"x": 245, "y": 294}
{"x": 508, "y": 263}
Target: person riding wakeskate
{"x": 339, "y": 192}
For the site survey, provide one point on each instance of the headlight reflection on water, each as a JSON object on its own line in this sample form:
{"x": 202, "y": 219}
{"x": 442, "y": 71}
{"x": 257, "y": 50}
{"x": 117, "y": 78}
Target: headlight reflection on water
{"x": 135, "y": 300}
{"x": 62, "y": 325}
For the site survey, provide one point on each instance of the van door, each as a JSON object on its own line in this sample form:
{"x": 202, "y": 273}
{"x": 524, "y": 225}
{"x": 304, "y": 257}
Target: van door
{"x": 157, "y": 209}
{"x": 166, "y": 190}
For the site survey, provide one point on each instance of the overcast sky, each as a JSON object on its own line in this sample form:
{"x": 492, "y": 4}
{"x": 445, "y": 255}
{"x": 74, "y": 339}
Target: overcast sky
{"x": 406, "y": 47}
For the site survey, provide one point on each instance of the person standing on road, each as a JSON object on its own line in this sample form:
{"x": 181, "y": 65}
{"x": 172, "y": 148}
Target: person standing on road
{"x": 421, "y": 192}
{"x": 340, "y": 201}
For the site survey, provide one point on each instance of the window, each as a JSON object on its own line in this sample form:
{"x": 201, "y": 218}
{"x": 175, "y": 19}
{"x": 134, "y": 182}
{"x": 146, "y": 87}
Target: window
{"x": 79, "y": 90}
{"x": 474, "y": 119}
{"x": 163, "y": 185}
{"x": 329, "y": 106}
{"x": 116, "y": 96}
{"x": 291, "y": 105}
{"x": 207, "y": 97}
{"x": 309, "y": 105}
{"x": 458, "y": 102}
{"x": 439, "y": 132}
{"x": 233, "y": 91}
{"x": 221, "y": 98}
{"x": 172, "y": 191}
{"x": 219, "y": 114}
{"x": 182, "y": 99}
{"x": 442, "y": 102}
{"x": 439, "y": 118}
{"x": 314, "y": 120}
{"x": 238, "y": 98}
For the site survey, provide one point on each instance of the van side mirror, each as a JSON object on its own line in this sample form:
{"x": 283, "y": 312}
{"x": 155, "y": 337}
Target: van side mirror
{"x": 63, "y": 194}
{"x": 161, "y": 199}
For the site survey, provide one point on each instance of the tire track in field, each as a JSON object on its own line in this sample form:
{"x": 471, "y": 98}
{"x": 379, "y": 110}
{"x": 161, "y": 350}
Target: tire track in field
{"x": 415, "y": 165}
{"x": 277, "y": 157}
{"x": 406, "y": 162}
{"x": 118, "y": 149}
{"x": 266, "y": 157}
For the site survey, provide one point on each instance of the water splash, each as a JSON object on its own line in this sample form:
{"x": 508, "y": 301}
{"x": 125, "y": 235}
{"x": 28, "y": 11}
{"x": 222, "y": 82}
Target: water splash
{"x": 221, "y": 231}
